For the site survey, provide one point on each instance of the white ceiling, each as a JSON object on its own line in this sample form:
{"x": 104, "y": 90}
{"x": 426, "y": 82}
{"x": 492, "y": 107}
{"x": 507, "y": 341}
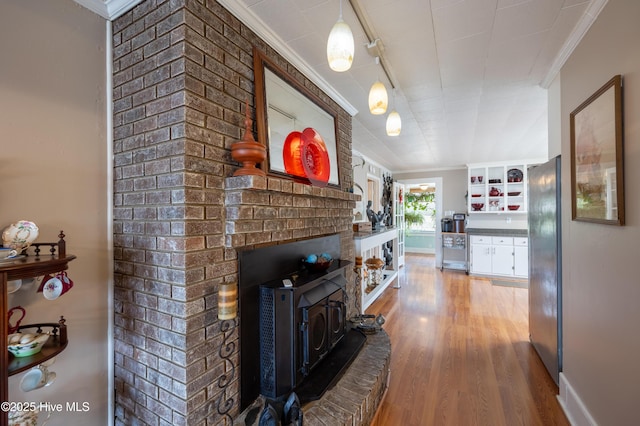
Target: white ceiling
{"x": 470, "y": 75}
{"x": 468, "y": 72}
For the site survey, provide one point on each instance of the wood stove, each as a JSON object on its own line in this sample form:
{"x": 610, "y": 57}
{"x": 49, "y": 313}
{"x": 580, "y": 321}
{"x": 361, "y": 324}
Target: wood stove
{"x": 268, "y": 264}
{"x": 302, "y": 318}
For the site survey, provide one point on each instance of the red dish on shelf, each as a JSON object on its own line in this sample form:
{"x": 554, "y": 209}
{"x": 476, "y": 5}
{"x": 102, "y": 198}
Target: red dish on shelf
{"x": 477, "y": 206}
{"x": 513, "y": 207}
{"x": 513, "y": 194}
{"x": 476, "y": 195}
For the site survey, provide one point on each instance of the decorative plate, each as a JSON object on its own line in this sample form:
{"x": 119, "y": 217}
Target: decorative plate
{"x": 315, "y": 158}
{"x": 305, "y": 155}
{"x": 20, "y": 235}
{"x": 514, "y": 175}
{"x": 292, "y": 154}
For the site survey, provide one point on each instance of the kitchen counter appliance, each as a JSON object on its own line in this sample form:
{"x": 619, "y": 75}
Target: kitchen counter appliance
{"x": 458, "y": 223}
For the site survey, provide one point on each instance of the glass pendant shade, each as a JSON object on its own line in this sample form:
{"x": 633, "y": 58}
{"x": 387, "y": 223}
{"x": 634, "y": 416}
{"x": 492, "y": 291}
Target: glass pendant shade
{"x": 340, "y": 46}
{"x": 394, "y": 123}
{"x": 378, "y": 99}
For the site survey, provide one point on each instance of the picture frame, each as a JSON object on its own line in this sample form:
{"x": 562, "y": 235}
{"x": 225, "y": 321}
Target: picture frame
{"x": 283, "y": 106}
{"x": 597, "y": 166}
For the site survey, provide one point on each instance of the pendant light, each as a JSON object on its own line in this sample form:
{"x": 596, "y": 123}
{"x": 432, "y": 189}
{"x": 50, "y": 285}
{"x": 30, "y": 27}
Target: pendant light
{"x": 394, "y": 122}
{"x": 340, "y": 45}
{"x": 378, "y": 98}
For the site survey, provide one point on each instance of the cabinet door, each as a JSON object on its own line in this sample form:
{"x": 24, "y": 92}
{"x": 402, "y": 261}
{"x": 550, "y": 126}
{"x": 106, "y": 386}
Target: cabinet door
{"x": 521, "y": 261}
{"x": 481, "y": 258}
{"x": 502, "y": 259}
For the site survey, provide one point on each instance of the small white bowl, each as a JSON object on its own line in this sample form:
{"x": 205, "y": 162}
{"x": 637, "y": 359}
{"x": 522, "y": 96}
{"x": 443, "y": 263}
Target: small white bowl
{"x": 27, "y": 349}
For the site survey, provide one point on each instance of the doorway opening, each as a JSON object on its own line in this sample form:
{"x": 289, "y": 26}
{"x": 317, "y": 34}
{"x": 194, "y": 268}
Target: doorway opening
{"x": 420, "y": 217}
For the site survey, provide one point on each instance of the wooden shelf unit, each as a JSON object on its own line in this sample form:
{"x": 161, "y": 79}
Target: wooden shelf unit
{"x": 30, "y": 266}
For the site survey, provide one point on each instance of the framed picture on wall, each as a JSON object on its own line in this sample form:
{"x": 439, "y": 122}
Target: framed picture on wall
{"x": 597, "y": 174}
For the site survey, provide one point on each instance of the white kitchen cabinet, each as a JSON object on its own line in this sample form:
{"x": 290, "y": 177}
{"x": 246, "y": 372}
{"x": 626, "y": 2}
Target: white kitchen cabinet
{"x": 499, "y": 256}
{"x": 502, "y": 255}
{"x": 521, "y": 257}
{"x": 480, "y": 254}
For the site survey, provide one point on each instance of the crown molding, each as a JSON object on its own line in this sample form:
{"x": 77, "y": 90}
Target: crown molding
{"x": 582, "y": 26}
{"x": 108, "y": 9}
{"x": 252, "y": 21}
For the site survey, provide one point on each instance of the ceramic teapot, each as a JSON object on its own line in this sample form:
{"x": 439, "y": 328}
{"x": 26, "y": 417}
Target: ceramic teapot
{"x": 494, "y": 192}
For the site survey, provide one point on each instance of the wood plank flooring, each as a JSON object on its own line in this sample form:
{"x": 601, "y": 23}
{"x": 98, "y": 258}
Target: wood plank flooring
{"x": 461, "y": 353}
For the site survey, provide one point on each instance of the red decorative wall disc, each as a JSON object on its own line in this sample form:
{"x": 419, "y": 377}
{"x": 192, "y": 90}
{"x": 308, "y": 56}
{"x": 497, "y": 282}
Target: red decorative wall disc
{"x": 315, "y": 158}
{"x": 305, "y": 155}
{"x": 292, "y": 154}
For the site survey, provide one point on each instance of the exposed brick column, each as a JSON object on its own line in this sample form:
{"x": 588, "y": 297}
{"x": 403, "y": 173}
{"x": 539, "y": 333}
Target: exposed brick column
{"x": 182, "y": 72}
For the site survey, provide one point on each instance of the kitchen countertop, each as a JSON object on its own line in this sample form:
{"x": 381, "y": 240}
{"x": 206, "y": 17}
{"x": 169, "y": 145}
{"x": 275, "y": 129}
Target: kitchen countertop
{"x": 498, "y": 232}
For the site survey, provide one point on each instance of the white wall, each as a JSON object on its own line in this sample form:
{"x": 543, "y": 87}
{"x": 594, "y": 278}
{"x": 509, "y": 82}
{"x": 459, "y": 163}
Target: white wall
{"x": 363, "y": 169}
{"x": 601, "y": 288}
{"x": 454, "y": 186}
{"x": 54, "y": 172}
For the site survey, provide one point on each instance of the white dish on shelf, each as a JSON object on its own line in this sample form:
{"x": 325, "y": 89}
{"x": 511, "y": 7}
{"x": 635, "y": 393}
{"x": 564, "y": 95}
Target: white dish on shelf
{"x": 33, "y": 343}
{"x": 20, "y": 235}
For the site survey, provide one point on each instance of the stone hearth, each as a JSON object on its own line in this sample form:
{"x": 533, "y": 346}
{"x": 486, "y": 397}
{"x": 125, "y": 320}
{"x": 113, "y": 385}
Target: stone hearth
{"x": 354, "y": 399}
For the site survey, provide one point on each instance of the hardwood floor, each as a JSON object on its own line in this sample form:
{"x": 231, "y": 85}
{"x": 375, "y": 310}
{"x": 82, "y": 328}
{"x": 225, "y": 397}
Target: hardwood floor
{"x": 461, "y": 353}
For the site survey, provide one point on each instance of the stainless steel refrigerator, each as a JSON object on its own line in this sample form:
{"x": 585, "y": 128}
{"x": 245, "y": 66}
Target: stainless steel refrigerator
{"x": 545, "y": 265}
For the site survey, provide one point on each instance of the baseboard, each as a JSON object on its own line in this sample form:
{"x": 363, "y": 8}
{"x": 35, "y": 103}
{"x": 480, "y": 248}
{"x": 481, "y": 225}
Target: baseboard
{"x": 572, "y": 405}
{"x": 419, "y": 250}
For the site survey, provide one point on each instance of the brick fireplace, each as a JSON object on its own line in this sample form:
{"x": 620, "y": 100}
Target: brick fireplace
{"x": 182, "y": 71}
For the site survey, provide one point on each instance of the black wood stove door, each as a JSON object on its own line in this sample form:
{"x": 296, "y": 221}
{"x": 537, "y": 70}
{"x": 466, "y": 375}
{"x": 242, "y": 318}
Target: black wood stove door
{"x": 337, "y": 314}
{"x": 314, "y": 335}
{"x": 322, "y": 328}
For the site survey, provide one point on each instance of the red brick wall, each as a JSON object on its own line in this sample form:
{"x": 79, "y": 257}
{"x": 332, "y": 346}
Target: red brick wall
{"x": 181, "y": 72}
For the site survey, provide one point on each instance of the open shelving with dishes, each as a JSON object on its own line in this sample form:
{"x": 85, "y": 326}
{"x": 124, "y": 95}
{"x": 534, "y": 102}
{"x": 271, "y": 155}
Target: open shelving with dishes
{"x": 498, "y": 188}
{"x": 25, "y": 266}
